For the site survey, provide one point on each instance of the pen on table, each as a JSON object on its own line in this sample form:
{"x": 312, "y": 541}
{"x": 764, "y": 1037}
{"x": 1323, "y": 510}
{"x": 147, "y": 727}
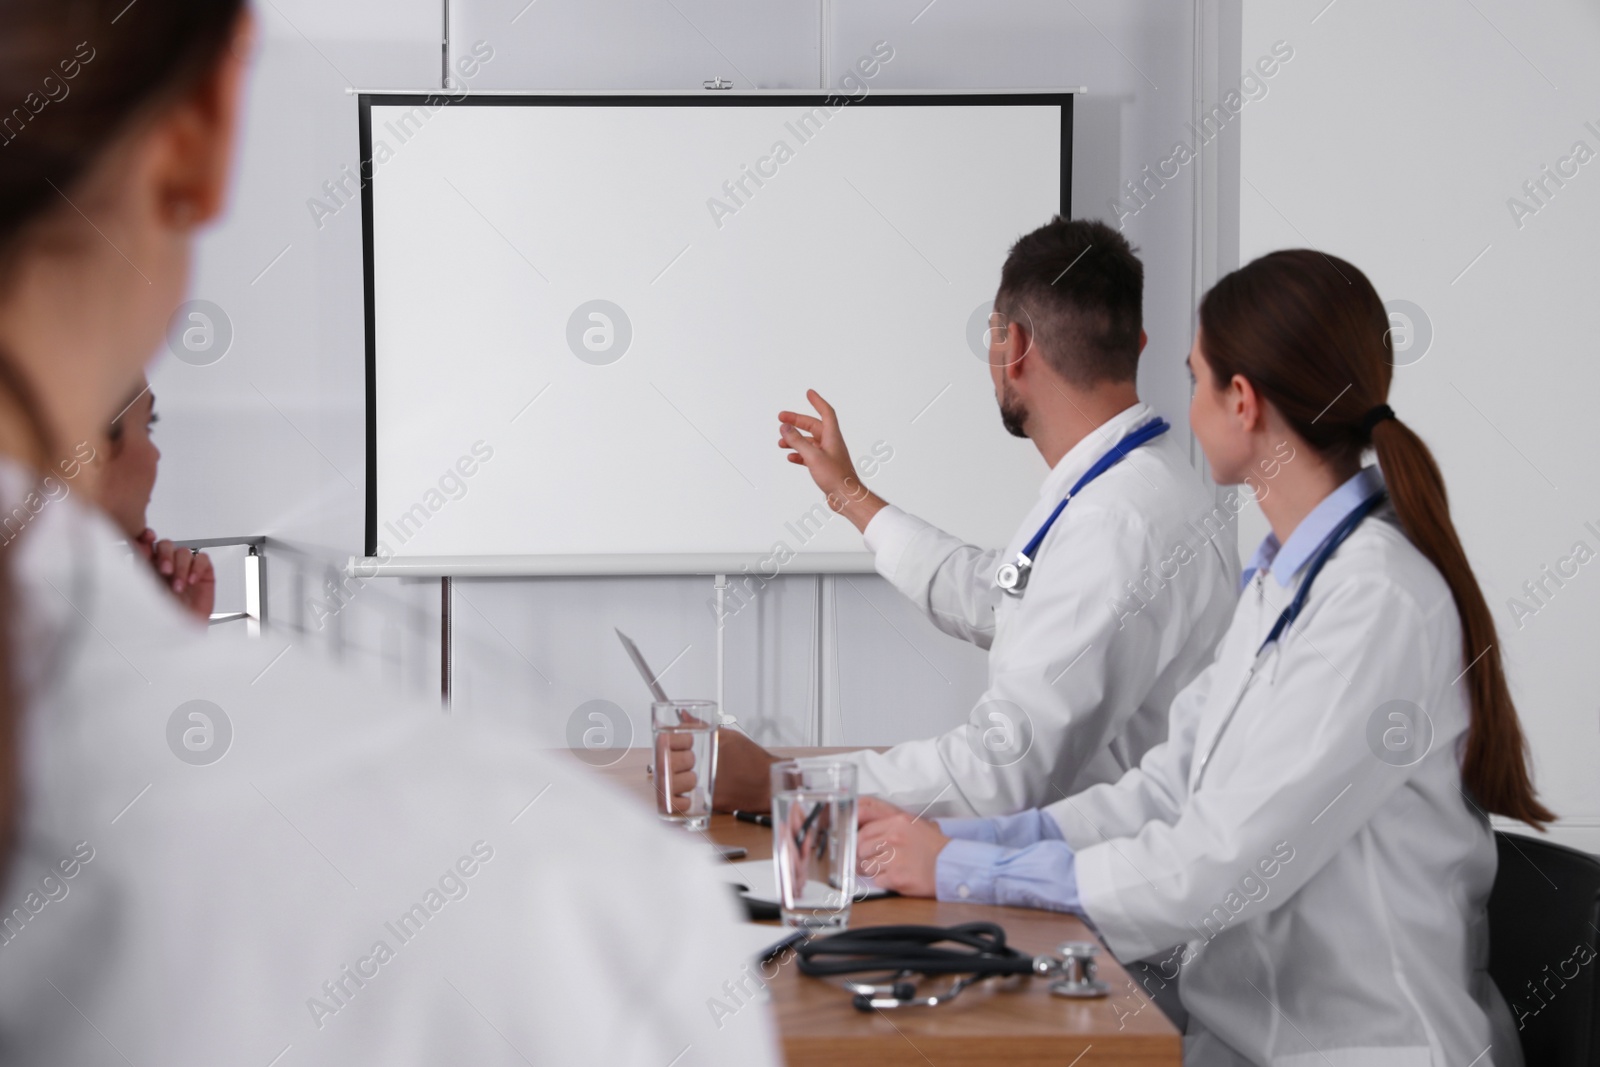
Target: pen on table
{"x": 755, "y": 817}
{"x": 805, "y": 827}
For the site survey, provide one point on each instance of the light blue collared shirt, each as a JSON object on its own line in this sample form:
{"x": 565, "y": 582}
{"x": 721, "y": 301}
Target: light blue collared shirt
{"x": 1286, "y": 560}
{"x": 1019, "y": 859}
{"x": 1023, "y": 859}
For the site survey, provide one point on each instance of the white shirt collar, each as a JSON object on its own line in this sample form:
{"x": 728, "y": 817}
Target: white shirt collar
{"x": 1081, "y": 456}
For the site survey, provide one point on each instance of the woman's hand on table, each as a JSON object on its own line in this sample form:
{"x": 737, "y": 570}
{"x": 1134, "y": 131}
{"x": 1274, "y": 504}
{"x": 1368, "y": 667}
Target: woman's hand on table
{"x": 898, "y": 850}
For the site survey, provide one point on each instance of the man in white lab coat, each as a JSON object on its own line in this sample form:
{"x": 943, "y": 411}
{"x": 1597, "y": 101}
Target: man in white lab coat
{"x": 1123, "y": 597}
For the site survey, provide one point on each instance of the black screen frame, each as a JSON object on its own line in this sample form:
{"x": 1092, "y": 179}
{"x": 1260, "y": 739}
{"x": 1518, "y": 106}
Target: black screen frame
{"x": 445, "y": 98}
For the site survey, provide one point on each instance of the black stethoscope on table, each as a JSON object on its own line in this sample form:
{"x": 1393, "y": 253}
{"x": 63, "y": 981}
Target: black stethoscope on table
{"x": 1013, "y": 577}
{"x": 1286, "y": 618}
{"x": 978, "y": 951}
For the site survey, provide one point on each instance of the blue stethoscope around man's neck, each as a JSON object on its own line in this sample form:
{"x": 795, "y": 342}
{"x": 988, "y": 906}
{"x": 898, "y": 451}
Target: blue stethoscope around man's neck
{"x": 1013, "y": 577}
{"x": 1288, "y": 615}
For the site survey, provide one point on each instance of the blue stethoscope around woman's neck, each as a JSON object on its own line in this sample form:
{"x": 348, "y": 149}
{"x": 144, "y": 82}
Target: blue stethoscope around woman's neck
{"x": 1013, "y": 577}
{"x": 1288, "y": 615}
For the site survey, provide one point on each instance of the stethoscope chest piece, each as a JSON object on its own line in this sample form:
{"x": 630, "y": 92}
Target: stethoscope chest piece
{"x": 1078, "y": 978}
{"x": 1012, "y": 578}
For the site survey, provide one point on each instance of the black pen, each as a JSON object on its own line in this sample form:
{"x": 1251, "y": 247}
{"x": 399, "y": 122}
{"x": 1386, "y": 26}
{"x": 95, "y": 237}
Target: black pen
{"x": 753, "y": 817}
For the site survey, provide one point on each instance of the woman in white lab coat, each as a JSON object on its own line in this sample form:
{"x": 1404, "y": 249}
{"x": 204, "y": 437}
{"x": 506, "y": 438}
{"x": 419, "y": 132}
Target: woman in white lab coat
{"x": 227, "y": 851}
{"x": 1311, "y": 848}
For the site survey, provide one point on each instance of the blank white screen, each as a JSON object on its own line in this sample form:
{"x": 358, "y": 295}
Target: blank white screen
{"x": 854, "y": 268}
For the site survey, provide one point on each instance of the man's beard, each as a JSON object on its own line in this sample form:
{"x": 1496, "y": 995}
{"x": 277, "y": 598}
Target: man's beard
{"x": 1013, "y": 415}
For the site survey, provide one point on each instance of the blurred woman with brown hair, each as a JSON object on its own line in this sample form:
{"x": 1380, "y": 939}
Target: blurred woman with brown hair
{"x": 218, "y": 851}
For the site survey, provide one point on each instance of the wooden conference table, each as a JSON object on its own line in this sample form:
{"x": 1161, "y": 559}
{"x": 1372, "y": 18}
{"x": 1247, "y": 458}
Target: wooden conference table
{"x": 1018, "y": 1024}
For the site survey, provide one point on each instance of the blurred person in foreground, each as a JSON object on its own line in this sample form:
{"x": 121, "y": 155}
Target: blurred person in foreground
{"x": 231, "y": 852}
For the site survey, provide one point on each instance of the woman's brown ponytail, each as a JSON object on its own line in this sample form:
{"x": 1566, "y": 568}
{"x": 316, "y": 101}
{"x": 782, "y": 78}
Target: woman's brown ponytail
{"x": 1309, "y": 332}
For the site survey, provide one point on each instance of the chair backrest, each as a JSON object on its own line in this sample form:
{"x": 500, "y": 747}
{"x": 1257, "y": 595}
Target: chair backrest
{"x": 1544, "y": 926}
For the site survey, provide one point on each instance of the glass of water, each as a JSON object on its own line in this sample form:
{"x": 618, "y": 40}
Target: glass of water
{"x": 679, "y": 726}
{"x": 814, "y": 840}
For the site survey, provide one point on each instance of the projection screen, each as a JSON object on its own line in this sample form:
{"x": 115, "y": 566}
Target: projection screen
{"x": 584, "y": 313}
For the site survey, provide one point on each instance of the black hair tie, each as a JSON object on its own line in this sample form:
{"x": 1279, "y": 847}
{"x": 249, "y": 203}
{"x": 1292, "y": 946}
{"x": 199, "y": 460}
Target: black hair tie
{"x": 1370, "y": 420}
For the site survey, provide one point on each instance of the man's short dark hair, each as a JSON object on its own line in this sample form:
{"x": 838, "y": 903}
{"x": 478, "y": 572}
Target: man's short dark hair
{"x": 1079, "y": 286}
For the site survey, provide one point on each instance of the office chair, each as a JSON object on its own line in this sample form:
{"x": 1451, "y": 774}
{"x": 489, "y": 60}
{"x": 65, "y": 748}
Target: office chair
{"x": 1544, "y": 935}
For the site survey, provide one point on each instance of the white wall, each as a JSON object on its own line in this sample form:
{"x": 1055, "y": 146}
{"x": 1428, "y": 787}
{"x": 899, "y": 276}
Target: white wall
{"x": 1395, "y": 139}
{"x": 270, "y": 438}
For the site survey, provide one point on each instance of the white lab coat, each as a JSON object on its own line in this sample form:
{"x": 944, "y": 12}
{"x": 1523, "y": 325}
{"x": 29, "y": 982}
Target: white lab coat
{"x": 1129, "y": 594}
{"x": 161, "y": 912}
{"x": 1328, "y": 906}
